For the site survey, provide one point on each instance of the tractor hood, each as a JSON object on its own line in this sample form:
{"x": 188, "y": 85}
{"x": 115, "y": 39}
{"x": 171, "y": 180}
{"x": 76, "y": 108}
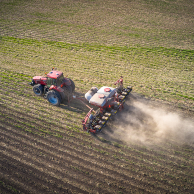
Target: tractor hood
{"x": 39, "y": 78}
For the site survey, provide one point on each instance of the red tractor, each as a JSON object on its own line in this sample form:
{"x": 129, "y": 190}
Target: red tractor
{"x": 54, "y": 87}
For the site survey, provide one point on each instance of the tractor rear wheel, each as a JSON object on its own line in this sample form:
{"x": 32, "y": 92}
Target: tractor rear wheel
{"x": 54, "y": 97}
{"x": 68, "y": 92}
{"x": 72, "y": 85}
{"x": 38, "y": 89}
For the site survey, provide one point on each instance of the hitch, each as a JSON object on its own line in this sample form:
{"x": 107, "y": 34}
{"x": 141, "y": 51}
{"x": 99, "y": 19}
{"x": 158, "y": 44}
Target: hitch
{"x": 82, "y": 101}
{"x": 32, "y": 83}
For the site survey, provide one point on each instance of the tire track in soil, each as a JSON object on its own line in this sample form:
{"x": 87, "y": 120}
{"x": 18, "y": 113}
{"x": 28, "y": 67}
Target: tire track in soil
{"x": 60, "y": 160}
{"x": 128, "y": 178}
{"x": 29, "y": 175}
{"x": 161, "y": 168}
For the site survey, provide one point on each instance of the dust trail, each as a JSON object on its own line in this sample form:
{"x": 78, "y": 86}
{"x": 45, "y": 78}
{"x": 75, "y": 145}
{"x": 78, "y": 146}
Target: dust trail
{"x": 142, "y": 121}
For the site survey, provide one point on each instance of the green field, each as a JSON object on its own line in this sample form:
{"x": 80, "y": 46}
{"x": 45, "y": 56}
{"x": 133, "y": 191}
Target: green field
{"x": 150, "y": 43}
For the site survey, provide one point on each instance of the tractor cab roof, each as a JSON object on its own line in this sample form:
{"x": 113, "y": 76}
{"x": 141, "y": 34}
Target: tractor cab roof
{"x": 54, "y": 74}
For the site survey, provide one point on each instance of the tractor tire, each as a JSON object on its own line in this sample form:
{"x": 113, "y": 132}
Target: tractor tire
{"x": 54, "y": 97}
{"x": 72, "y": 85}
{"x": 45, "y": 92}
{"x": 68, "y": 92}
{"x": 38, "y": 89}
{"x": 63, "y": 97}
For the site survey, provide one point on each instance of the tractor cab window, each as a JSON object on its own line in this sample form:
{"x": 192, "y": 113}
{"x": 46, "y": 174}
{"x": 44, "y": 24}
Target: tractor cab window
{"x": 60, "y": 80}
{"x": 51, "y": 82}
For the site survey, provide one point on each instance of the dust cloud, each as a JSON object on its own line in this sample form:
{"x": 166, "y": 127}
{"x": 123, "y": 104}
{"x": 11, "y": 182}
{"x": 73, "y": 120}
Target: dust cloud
{"x": 149, "y": 123}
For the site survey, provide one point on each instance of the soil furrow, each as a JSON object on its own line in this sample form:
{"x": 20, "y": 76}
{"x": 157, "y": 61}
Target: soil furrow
{"x": 140, "y": 169}
{"x": 46, "y": 111}
{"x": 67, "y": 161}
{"x": 67, "y": 124}
{"x": 19, "y": 167}
{"x": 121, "y": 168}
{"x": 53, "y": 160}
{"x": 20, "y": 185}
{"x": 8, "y": 186}
{"x": 22, "y": 177}
{"x": 44, "y": 106}
{"x": 134, "y": 175}
{"x": 35, "y": 120}
{"x": 148, "y": 157}
{"x": 41, "y": 168}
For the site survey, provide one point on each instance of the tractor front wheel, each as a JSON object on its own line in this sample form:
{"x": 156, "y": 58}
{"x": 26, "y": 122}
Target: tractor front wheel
{"x": 38, "y": 89}
{"x": 54, "y": 97}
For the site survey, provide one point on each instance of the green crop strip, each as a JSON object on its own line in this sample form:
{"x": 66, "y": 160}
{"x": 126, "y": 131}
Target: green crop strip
{"x": 169, "y": 52}
{"x": 10, "y": 75}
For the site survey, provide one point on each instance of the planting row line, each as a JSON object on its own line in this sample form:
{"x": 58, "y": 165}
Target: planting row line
{"x": 41, "y": 107}
{"x": 45, "y": 110}
{"x": 100, "y": 162}
{"x": 74, "y": 165}
{"x": 77, "y": 139}
{"x": 87, "y": 165}
{"x": 31, "y": 176}
{"x": 45, "y": 132}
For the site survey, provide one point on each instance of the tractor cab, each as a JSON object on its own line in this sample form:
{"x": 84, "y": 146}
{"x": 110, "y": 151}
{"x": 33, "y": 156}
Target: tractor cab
{"x": 53, "y": 78}
{"x": 51, "y": 81}
{"x": 56, "y": 78}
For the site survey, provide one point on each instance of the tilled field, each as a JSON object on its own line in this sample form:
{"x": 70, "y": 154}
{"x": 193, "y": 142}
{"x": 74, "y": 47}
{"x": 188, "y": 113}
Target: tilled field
{"x": 148, "y": 147}
{"x": 43, "y": 150}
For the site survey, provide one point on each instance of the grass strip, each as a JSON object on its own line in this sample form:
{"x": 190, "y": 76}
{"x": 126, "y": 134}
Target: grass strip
{"x": 169, "y": 52}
